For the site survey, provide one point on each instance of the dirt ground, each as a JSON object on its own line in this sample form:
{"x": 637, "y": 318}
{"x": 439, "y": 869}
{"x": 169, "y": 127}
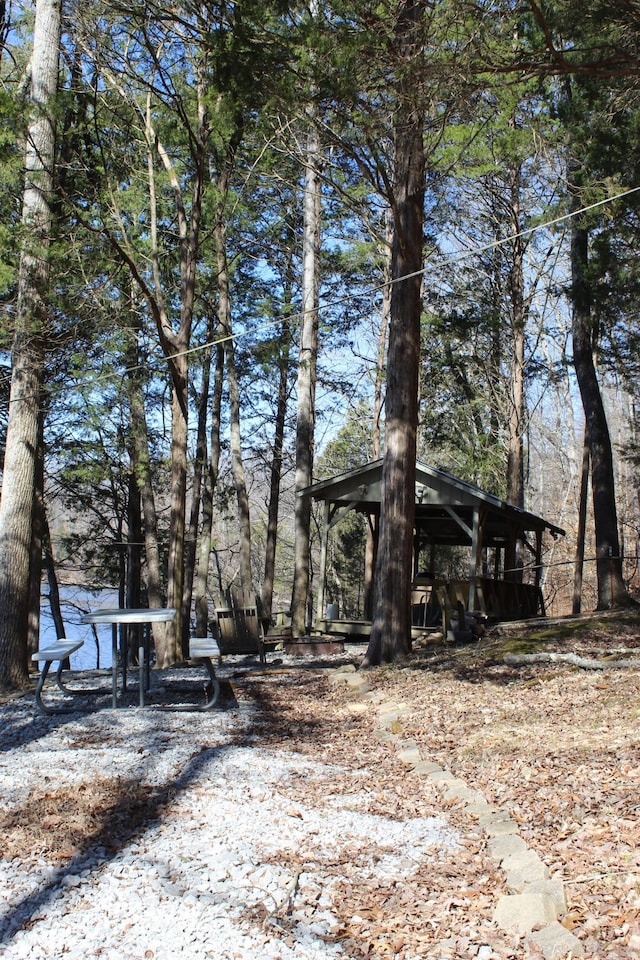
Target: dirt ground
{"x": 555, "y": 745}
{"x": 558, "y": 747}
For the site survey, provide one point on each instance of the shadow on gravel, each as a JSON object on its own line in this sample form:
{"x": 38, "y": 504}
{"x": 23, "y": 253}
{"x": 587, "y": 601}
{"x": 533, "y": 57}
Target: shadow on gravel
{"x": 125, "y": 818}
{"x": 277, "y": 694}
{"x": 122, "y": 810}
{"x": 86, "y": 825}
{"x": 23, "y": 723}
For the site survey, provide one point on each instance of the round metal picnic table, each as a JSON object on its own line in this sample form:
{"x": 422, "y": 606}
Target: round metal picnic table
{"x": 144, "y": 616}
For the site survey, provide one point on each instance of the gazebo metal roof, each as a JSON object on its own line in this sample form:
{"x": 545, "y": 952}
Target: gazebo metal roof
{"x": 437, "y": 494}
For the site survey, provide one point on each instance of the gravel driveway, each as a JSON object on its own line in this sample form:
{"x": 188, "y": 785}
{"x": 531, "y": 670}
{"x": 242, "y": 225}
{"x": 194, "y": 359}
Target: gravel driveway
{"x": 228, "y": 834}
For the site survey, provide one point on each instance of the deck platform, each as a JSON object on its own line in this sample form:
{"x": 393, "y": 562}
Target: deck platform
{"x": 359, "y": 630}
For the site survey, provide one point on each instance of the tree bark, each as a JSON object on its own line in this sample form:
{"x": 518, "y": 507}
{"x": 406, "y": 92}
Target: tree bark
{"x": 133, "y": 558}
{"x": 37, "y": 545}
{"x": 178, "y": 502}
{"x": 141, "y": 468}
{"x": 574, "y": 659}
{"x": 19, "y": 472}
{"x": 52, "y": 579}
{"x": 176, "y": 344}
{"x": 390, "y": 637}
{"x": 211, "y": 479}
{"x": 515, "y": 446}
{"x": 581, "y": 531}
{"x": 199, "y": 469}
{"x": 378, "y": 396}
{"x": 141, "y": 465}
{"x": 307, "y": 375}
{"x": 611, "y": 588}
{"x": 237, "y": 465}
{"x": 284, "y": 363}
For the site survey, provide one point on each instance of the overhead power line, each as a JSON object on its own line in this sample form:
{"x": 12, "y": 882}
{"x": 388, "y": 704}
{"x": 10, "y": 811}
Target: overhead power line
{"x": 376, "y": 288}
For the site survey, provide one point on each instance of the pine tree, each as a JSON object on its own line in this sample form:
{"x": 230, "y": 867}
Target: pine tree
{"x": 28, "y": 354}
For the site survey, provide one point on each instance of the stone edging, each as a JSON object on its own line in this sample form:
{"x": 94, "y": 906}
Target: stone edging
{"x": 535, "y": 902}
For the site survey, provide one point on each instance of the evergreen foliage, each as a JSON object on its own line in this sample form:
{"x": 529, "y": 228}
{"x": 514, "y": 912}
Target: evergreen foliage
{"x": 181, "y": 137}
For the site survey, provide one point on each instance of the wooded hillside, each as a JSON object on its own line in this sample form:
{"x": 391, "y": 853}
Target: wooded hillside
{"x": 245, "y": 246}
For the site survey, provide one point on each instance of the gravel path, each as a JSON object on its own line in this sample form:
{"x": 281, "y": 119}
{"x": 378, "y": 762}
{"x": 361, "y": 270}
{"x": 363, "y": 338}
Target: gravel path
{"x": 151, "y": 834}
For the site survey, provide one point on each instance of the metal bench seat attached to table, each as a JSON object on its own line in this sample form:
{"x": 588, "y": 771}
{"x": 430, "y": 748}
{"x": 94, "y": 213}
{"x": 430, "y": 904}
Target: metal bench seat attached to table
{"x": 58, "y": 652}
{"x": 202, "y": 650}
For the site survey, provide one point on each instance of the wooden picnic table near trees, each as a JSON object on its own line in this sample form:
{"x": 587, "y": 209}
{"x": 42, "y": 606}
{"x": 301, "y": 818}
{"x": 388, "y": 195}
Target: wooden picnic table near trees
{"x": 245, "y": 248}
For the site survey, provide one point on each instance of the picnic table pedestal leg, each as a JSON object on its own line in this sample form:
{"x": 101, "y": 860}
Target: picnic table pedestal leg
{"x": 142, "y": 674}
{"x": 213, "y": 687}
{"x": 41, "y": 679}
{"x": 143, "y": 618}
{"x": 114, "y": 672}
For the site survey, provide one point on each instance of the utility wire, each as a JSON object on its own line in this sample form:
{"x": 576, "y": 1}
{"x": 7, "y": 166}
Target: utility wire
{"x": 348, "y": 298}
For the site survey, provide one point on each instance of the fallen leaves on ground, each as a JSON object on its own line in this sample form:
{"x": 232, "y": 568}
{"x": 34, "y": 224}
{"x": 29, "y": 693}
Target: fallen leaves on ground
{"x": 58, "y": 822}
{"x": 556, "y": 747}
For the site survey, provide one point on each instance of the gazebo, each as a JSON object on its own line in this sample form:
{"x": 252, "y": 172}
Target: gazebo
{"x": 503, "y": 543}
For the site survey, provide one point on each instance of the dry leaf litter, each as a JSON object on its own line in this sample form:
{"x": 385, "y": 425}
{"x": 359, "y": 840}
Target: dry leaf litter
{"x": 293, "y": 822}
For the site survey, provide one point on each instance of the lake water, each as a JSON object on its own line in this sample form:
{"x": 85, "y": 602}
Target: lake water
{"x": 74, "y": 602}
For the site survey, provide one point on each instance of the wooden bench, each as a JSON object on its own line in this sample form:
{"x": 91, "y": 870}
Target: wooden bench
{"x": 239, "y": 631}
{"x": 59, "y": 652}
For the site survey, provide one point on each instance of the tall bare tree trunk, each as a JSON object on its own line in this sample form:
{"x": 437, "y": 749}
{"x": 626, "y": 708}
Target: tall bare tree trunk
{"x": 199, "y": 470}
{"x": 307, "y": 375}
{"x": 176, "y": 343}
{"x": 390, "y": 637}
{"x": 134, "y": 544}
{"x": 237, "y": 464}
{"x": 178, "y": 502}
{"x": 378, "y": 396}
{"x": 276, "y": 471}
{"x": 239, "y": 479}
{"x": 37, "y": 544}
{"x": 515, "y": 460}
{"x": 611, "y": 588}
{"x": 210, "y": 481}
{"x": 141, "y": 469}
{"x": 19, "y": 472}
{"x": 581, "y": 532}
{"x": 52, "y": 579}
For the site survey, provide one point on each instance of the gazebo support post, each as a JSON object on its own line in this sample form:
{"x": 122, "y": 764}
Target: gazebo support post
{"x": 475, "y": 564}
{"x": 322, "y": 573}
